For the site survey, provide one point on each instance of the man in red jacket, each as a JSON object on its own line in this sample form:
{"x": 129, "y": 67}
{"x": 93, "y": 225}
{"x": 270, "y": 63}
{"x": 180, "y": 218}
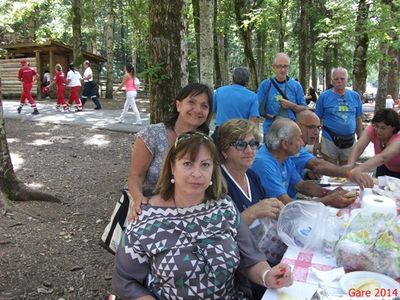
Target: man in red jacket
{"x": 27, "y": 76}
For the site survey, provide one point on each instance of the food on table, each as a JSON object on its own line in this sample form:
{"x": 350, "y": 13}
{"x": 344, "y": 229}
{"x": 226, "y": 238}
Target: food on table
{"x": 285, "y": 296}
{"x": 371, "y": 243}
{"x": 351, "y": 194}
{"x": 338, "y": 179}
{"x": 366, "y": 285}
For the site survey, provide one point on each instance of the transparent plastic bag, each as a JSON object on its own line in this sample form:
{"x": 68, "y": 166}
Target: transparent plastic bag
{"x": 371, "y": 243}
{"x": 265, "y": 233}
{"x": 308, "y": 225}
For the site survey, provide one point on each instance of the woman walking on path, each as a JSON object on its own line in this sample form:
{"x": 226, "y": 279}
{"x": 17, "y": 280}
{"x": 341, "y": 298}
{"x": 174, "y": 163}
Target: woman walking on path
{"x": 131, "y": 84}
{"x": 59, "y": 80}
{"x": 74, "y": 83}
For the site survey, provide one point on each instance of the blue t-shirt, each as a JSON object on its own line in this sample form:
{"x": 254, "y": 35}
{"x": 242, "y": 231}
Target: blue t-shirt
{"x": 300, "y": 160}
{"x": 239, "y": 197}
{"x": 339, "y": 112}
{"x": 275, "y": 177}
{"x": 292, "y": 90}
{"x": 234, "y": 102}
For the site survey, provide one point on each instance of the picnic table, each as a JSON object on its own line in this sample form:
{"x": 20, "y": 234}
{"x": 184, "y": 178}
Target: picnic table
{"x": 306, "y": 266}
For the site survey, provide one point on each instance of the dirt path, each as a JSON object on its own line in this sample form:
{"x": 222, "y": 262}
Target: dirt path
{"x": 58, "y": 257}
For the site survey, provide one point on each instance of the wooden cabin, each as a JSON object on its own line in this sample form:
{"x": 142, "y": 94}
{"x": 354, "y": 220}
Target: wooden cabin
{"x": 41, "y": 57}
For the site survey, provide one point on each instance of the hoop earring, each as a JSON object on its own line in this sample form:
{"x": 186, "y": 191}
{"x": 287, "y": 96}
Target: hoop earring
{"x": 172, "y": 180}
{"x": 211, "y": 183}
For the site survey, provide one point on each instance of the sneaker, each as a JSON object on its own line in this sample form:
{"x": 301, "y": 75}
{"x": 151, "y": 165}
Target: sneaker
{"x": 35, "y": 112}
{"x": 19, "y": 109}
{"x": 58, "y": 107}
{"x": 97, "y": 108}
{"x": 78, "y": 109}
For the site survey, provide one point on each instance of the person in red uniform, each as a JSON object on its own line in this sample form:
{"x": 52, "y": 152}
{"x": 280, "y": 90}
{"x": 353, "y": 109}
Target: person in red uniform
{"x": 27, "y": 76}
{"x": 59, "y": 80}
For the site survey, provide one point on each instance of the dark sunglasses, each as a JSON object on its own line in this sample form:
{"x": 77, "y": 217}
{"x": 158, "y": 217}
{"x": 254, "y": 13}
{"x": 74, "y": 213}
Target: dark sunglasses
{"x": 241, "y": 145}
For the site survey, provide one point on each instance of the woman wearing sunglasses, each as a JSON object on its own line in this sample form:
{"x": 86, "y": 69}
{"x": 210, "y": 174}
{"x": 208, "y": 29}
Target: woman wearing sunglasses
{"x": 190, "y": 242}
{"x": 238, "y": 143}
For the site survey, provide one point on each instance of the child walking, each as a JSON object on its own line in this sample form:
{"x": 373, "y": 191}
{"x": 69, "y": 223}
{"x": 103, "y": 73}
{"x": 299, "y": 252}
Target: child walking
{"x": 131, "y": 83}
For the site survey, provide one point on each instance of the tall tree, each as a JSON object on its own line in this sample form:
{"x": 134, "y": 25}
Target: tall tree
{"x": 109, "y": 36}
{"x": 303, "y": 43}
{"x": 243, "y": 15}
{"x": 206, "y": 40}
{"x": 76, "y": 31}
{"x": 361, "y": 48}
{"x": 165, "y": 55}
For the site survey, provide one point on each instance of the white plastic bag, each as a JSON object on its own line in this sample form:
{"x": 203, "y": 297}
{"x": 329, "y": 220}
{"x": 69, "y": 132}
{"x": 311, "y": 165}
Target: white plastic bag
{"x": 307, "y": 224}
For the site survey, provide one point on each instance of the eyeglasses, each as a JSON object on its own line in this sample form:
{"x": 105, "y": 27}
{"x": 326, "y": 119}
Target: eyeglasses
{"x": 184, "y": 136}
{"x": 282, "y": 66}
{"x": 241, "y": 145}
{"x": 312, "y": 127}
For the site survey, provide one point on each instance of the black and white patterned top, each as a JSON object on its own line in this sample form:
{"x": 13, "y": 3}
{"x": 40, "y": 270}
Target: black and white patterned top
{"x": 185, "y": 253}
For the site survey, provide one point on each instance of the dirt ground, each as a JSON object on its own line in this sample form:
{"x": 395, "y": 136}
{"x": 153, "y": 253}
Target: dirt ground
{"x": 56, "y": 254}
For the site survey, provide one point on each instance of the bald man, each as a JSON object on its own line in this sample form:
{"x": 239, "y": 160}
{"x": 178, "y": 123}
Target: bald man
{"x": 310, "y": 127}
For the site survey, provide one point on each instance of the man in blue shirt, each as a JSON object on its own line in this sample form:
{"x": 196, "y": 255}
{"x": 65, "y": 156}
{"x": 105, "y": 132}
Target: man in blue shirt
{"x": 340, "y": 111}
{"x": 272, "y": 104}
{"x": 310, "y": 127}
{"x": 277, "y": 171}
{"x": 235, "y": 101}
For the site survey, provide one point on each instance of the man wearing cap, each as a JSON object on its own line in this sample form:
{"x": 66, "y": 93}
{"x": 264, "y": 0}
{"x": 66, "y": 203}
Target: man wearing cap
{"x": 27, "y": 76}
{"x": 89, "y": 86}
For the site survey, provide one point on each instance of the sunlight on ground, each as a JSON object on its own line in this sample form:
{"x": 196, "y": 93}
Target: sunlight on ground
{"x": 97, "y": 140}
{"x": 17, "y": 161}
{"x": 40, "y": 142}
{"x": 11, "y": 140}
{"x": 35, "y": 185}
{"x": 42, "y": 133}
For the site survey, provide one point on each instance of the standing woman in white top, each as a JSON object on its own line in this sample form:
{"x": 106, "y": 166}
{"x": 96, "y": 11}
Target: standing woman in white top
{"x": 74, "y": 83}
{"x": 131, "y": 84}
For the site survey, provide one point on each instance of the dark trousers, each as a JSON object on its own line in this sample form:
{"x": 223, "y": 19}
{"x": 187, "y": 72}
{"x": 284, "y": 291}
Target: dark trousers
{"x": 383, "y": 170}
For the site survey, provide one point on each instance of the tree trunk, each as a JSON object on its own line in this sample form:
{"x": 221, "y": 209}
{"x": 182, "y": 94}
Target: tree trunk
{"x": 196, "y": 21}
{"x": 165, "y": 55}
{"x": 361, "y": 49}
{"x": 394, "y": 73}
{"x": 109, "y": 37}
{"x": 260, "y": 54}
{"x": 303, "y": 42}
{"x": 282, "y": 15}
{"x": 246, "y": 33}
{"x": 380, "y": 100}
{"x": 76, "y": 32}
{"x": 10, "y": 187}
{"x": 184, "y": 46}
{"x": 217, "y": 61}
{"x": 206, "y": 38}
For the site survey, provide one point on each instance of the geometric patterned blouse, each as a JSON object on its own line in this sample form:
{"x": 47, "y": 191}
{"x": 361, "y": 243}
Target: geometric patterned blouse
{"x": 184, "y": 253}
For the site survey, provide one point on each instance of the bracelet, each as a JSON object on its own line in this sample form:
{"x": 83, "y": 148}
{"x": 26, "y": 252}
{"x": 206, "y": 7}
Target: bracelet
{"x": 264, "y": 275}
{"x": 349, "y": 174}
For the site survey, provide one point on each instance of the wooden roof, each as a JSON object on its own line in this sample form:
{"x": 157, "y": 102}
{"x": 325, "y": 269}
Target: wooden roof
{"x": 28, "y": 49}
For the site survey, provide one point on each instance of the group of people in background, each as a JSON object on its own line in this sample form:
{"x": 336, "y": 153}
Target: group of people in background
{"x": 73, "y": 81}
{"x": 186, "y": 238}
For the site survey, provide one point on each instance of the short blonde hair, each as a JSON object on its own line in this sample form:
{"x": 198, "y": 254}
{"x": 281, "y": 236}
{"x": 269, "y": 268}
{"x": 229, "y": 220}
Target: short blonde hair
{"x": 233, "y": 130}
{"x": 189, "y": 143}
{"x": 58, "y": 67}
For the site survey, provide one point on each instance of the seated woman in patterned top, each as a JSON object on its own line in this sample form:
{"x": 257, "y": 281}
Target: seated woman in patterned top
{"x": 189, "y": 240}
